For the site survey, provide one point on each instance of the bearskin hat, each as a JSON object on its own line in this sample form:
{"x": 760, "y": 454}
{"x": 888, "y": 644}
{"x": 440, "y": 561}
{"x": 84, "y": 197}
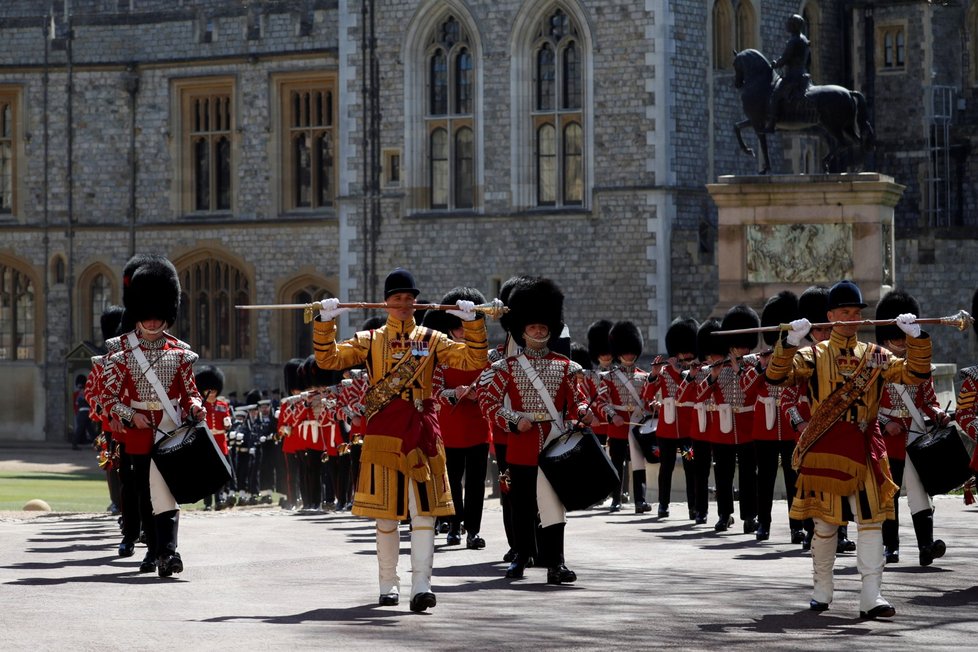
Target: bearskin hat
{"x": 153, "y": 291}
{"x": 293, "y": 382}
{"x": 316, "y": 376}
{"x": 110, "y": 320}
{"x": 681, "y": 337}
{"x": 441, "y": 320}
{"x": 625, "y": 338}
{"x": 709, "y": 344}
{"x": 370, "y": 323}
{"x": 210, "y": 377}
{"x": 580, "y": 354}
{"x": 597, "y": 339}
{"x": 127, "y": 323}
{"x": 974, "y": 310}
{"x": 740, "y": 316}
{"x": 505, "y": 291}
{"x": 538, "y": 301}
{"x": 813, "y": 304}
{"x": 782, "y": 308}
{"x": 252, "y": 397}
{"x": 893, "y": 304}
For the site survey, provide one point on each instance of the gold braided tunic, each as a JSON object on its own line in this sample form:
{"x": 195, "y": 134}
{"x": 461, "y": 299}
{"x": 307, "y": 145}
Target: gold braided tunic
{"x": 851, "y": 456}
{"x": 385, "y": 466}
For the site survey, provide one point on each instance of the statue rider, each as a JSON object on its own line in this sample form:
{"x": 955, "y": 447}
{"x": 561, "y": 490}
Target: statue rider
{"x": 794, "y": 63}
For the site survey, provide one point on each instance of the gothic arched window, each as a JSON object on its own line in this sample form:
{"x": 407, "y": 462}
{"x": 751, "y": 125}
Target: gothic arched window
{"x": 722, "y": 31}
{"x": 17, "y": 314}
{"x": 210, "y": 287}
{"x": 449, "y": 117}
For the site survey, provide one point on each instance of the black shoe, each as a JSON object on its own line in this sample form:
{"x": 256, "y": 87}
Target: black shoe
{"x": 892, "y": 556}
{"x": 750, "y": 526}
{"x": 700, "y": 519}
{"x": 693, "y": 515}
{"x": 763, "y": 532}
{"x": 815, "y": 605}
{"x": 641, "y": 508}
{"x": 806, "y": 542}
{"x": 615, "y": 507}
{"x": 516, "y": 568}
{"x": 422, "y": 601}
{"x": 929, "y": 553}
{"x": 509, "y": 556}
{"x": 127, "y": 549}
{"x": 475, "y": 542}
{"x": 797, "y": 536}
{"x": 663, "y": 511}
{"x": 560, "y": 575}
{"x": 148, "y": 565}
{"x": 443, "y": 528}
{"x": 882, "y": 611}
{"x": 845, "y": 545}
{"x": 170, "y": 564}
{"x": 724, "y": 523}
{"x": 453, "y": 539}
{"x": 389, "y": 599}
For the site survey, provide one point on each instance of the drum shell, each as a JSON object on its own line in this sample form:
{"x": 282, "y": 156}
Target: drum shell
{"x": 194, "y": 466}
{"x": 645, "y": 434}
{"x": 942, "y": 458}
{"x": 583, "y": 474}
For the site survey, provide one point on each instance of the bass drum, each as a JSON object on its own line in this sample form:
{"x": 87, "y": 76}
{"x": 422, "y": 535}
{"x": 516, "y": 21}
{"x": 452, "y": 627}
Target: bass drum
{"x": 579, "y": 469}
{"x": 644, "y": 432}
{"x": 942, "y": 458}
{"x": 191, "y": 463}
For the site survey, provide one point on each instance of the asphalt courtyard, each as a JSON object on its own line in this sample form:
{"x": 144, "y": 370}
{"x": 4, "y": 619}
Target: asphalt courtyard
{"x": 261, "y": 578}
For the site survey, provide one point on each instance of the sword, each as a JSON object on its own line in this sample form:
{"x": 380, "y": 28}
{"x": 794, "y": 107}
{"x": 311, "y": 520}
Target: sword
{"x": 309, "y": 309}
{"x": 960, "y": 320}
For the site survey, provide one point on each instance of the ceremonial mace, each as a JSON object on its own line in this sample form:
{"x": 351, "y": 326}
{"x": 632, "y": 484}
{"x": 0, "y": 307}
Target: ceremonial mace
{"x": 309, "y": 309}
{"x": 960, "y": 320}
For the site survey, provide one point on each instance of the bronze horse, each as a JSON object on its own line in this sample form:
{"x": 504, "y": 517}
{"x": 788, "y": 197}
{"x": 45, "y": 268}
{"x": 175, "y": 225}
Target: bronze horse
{"x": 837, "y": 113}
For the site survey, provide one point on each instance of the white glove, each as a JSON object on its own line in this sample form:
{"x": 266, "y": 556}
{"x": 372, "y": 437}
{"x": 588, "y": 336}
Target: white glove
{"x": 329, "y": 311}
{"x": 799, "y": 329}
{"x": 908, "y": 324}
{"x": 466, "y": 310}
{"x": 262, "y": 439}
{"x": 251, "y": 451}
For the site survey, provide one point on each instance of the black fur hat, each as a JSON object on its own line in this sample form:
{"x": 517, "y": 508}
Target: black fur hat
{"x": 782, "y": 308}
{"x": 709, "y": 344}
{"x": 505, "y": 291}
{"x": 597, "y": 339}
{"x": 740, "y": 316}
{"x": 580, "y": 354}
{"x": 625, "y": 338}
{"x": 127, "y": 323}
{"x": 252, "y": 397}
{"x": 681, "y": 337}
{"x": 316, "y": 376}
{"x": 153, "y": 292}
{"x": 110, "y": 320}
{"x": 537, "y": 302}
{"x": 440, "y": 320}
{"x": 210, "y": 377}
{"x": 813, "y": 304}
{"x": 893, "y": 304}
{"x": 371, "y": 323}
{"x": 292, "y": 379}
{"x": 974, "y": 310}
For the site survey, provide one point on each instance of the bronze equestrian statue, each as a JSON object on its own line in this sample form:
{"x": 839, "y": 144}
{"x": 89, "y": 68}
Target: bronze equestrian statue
{"x": 792, "y": 103}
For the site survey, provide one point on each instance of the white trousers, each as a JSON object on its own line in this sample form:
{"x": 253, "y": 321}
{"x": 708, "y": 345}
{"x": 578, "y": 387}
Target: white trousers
{"x": 422, "y": 549}
{"x": 869, "y": 561}
{"x": 159, "y": 492}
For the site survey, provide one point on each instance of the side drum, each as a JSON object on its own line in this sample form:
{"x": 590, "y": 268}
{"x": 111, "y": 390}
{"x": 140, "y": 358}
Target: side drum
{"x": 942, "y": 458}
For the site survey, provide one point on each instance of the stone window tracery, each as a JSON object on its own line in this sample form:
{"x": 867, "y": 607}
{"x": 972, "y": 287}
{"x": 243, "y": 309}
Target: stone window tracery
{"x": 210, "y": 287}
{"x": 17, "y": 314}
{"x": 309, "y": 128}
{"x": 8, "y": 150}
{"x": 206, "y": 139}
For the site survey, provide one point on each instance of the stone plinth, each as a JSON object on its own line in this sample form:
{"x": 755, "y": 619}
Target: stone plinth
{"x": 788, "y": 232}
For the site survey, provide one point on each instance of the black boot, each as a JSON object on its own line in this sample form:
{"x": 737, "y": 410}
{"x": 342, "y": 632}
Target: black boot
{"x": 552, "y": 547}
{"x": 638, "y": 490}
{"x": 923, "y": 527}
{"x": 844, "y": 544}
{"x": 169, "y": 561}
{"x": 454, "y": 537}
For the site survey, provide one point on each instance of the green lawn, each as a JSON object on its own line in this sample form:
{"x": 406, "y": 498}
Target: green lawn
{"x": 64, "y": 492}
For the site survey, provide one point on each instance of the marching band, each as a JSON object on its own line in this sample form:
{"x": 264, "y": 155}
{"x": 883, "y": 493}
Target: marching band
{"x": 387, "y": 424}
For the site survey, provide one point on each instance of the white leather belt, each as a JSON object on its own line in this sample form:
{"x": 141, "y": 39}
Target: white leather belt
{"x": 152, "y": 406}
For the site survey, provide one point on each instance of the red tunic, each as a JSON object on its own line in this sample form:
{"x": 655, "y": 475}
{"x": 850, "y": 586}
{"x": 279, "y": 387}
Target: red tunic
{"x": 965, "y": 413}
{"x": 616, "y": 399}
{"x": 219, "y": 420}
{"x": 892, "y": 408}
{"x": 461, "y": 421}
{"x": 126, "y": 391}
{"x": 288, "y": 425}
{"x": 667, "y": 387}
{"x": 507, "y": 380}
